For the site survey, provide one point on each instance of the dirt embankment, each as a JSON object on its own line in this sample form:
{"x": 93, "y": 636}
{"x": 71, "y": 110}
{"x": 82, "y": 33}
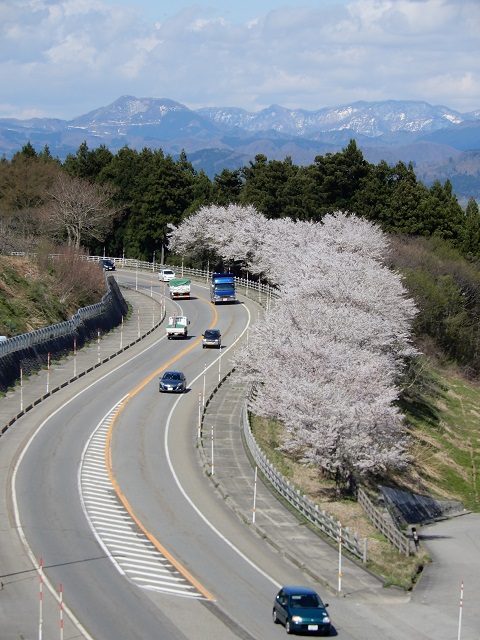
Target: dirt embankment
{"x": 36, "y": 293}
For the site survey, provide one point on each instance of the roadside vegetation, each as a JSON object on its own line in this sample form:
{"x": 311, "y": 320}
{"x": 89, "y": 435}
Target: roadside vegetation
{"x": 37, "y": 292}
{"x": 442, "y": 416}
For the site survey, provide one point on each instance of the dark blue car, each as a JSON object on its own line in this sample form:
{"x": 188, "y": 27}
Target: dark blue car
{"x": 107, "y": 265}
{"x": 301, "y": 610}
{"x": 173, "y": 382}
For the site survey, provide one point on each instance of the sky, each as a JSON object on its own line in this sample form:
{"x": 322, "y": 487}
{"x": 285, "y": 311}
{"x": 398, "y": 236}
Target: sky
{"x": 65, "y": 58}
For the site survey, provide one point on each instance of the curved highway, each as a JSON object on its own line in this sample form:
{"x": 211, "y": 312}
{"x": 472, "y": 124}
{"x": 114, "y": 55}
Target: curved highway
{"x": 109, "y": 491}
{"x": 160, "y": 493}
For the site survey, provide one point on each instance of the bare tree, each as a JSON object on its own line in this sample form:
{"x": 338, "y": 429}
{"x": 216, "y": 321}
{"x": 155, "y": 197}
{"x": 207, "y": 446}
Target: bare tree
{"x": 78, "y": 210}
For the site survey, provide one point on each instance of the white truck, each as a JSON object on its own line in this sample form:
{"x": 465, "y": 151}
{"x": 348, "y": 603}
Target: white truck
{"x": 177, "y": 327}
{"x": 180, "y": 288}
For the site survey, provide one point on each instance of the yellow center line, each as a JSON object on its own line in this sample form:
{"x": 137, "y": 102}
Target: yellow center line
{"x": 108, "y": 461}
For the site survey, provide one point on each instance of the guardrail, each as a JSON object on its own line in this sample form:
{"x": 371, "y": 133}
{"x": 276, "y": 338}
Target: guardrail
{"x": 305, "y": 507}
{"x": 203, "y": 274}
{"x": 32, "y": 338}
{"x": 386, "y": 527}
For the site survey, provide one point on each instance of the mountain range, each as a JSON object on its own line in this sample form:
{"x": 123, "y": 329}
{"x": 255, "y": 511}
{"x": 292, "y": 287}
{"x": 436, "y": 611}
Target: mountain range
{"x": 440, "y": 142}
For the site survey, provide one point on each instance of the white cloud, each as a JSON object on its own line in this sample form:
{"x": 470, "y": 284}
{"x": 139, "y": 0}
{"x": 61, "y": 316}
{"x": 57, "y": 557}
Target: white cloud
{"x": 62, "y": 58}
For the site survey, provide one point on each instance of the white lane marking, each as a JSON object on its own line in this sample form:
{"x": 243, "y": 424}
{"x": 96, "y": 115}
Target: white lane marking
{"x": 18, "y": 523}
{"x": 116, "y": 532}
{"x": 187, "y": 497}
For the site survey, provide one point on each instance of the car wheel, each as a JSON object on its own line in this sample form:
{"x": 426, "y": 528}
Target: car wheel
{"x": 288, "y": 628}
{"x": 275, "y": 617}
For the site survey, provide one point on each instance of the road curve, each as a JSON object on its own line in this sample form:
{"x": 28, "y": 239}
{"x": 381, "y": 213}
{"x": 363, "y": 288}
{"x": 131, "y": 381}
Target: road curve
{"x": 104, "y": 543}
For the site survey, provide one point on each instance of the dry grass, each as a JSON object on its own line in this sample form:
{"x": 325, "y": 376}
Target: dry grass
{"x": 383, "y": 558}
{"x": 35, "y": 293}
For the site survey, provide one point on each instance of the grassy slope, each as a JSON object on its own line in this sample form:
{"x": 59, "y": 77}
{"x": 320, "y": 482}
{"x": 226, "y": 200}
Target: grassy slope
{"x": 446, "y": 436}
{"x": 33, "y": 295}
{"x": 443, "y": 419}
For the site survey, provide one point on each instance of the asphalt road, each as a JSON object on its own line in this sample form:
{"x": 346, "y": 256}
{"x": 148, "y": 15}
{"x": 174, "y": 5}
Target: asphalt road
{"x": 141, "y": 544}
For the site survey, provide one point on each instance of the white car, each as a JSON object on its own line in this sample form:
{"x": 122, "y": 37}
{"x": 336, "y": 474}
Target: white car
{"x": 165, "y": 275}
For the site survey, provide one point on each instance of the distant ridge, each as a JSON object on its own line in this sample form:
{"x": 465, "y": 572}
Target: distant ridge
{"x": 392, "y": 130}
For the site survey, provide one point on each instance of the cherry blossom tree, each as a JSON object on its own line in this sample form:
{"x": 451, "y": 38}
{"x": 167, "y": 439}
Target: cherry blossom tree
{"x": 231, "y": 232}
{"x": 326, "y": 360}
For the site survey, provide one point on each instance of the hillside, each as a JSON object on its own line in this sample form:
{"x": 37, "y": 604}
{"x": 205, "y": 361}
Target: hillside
{"x": 38, "y": 293}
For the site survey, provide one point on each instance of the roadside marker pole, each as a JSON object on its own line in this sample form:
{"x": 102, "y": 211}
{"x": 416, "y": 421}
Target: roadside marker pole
{"x": 204, "y": 375}
{"x": 219, "y": 364}
{"x": 460, "y": 614}
{"x": 74, "y": 357}
{"x": 98, "y": 345}
{"x": 254, "y": 495}
{"x": 40, "y": 594}
{"x": 339, "y": 557}
{"x": 21, "y": 389}
{"x": 153, "y": 316}
{"x": 213, "y": 467}
{"x": 48, "y": 370}
{"x": 61, "y": 612}
{"x": 121, "y": 335}
{"x": 138, "y": 321}
{"x": 199, "y": 431}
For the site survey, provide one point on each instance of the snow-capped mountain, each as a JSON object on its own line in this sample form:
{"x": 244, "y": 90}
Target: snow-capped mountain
{"x": 228, "y": 137}
{"x": 371, "y": 119}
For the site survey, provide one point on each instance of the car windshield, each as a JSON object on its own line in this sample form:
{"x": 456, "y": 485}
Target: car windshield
{"x": 306, "y": 601}
{"x": 168, "y": 273}
{"x": 211, "y": 334}
{"x": 224, "y": 286}
{"x": 172, "y": 376}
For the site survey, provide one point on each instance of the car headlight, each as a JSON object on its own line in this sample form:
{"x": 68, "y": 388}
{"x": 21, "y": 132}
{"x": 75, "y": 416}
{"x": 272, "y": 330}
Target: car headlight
{"x": 297, "y": 619}
{"x": 326, "y": 619}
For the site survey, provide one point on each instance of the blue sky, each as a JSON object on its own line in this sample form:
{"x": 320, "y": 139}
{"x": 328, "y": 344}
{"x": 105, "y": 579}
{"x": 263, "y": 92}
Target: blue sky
{"x": 63, "y": 58}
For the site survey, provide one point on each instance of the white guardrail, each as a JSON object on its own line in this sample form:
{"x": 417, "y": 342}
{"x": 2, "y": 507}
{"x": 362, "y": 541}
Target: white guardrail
{"x": 326, "y": 524}
{"x": 32, "y": 338}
